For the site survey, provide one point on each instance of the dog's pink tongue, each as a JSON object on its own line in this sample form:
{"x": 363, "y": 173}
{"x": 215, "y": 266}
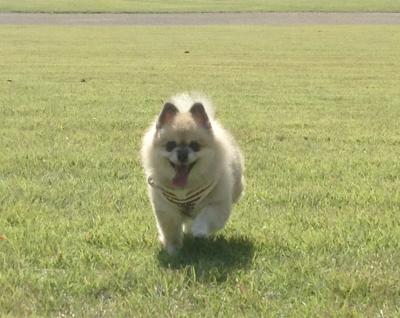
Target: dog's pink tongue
{"x": 181, "y": 176}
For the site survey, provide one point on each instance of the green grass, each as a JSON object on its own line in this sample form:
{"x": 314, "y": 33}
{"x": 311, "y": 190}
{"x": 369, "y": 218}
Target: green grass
{"x": 196, "y": 5}
{"x": 316, "y": 111}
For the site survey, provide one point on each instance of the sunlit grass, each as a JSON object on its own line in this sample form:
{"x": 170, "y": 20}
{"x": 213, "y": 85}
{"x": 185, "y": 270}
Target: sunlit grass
{"x": 196, "y": 5}
{"x": 316, "y": 111}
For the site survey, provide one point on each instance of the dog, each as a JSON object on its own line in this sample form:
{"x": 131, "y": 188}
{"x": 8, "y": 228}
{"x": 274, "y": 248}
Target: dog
{"x": 194, "y": 170}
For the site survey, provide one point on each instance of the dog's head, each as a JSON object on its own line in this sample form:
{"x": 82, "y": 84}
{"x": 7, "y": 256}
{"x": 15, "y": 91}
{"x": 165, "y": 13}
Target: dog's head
{"x": 184, "y": 145}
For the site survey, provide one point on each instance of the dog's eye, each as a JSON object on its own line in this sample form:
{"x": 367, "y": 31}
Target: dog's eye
{"x": 170, "y": 145}
{"x": 195, "y": 146}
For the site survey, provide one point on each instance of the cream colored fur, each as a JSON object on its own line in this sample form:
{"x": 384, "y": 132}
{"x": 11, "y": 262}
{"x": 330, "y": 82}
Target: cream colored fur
{"x": 219, "y": 162}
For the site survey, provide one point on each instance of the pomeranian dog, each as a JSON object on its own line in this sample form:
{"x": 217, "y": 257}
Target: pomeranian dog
{"x": 194, "y": 170}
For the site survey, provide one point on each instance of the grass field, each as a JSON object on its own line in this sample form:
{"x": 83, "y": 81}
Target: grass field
{"x": 196, "y": 5}
{"x": 316, "y": 111}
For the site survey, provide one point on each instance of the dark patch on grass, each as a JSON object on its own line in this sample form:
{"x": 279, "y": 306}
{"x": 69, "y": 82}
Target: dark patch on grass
{"x": 212, "y": 259}
{"x": 280, "y": 138}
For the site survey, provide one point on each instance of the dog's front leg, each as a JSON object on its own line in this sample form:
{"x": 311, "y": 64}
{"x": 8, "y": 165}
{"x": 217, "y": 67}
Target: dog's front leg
{"x": 169, "y": 224}
{"x": 212, "y": 218}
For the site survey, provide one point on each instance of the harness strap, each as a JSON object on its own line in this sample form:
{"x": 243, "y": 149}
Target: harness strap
{"x": 188, "y": 201}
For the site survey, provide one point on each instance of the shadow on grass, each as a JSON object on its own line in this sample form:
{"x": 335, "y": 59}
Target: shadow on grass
{"x": 210, "y": 259}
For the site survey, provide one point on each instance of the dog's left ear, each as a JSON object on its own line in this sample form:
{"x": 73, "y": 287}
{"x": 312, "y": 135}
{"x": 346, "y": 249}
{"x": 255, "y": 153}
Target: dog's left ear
{"x": 200, "y": 116}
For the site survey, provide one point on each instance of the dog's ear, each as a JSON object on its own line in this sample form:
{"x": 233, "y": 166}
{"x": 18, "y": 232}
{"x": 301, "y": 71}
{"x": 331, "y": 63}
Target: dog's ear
{"x": 167, "y": 115}
{"x": 200, "y": 116}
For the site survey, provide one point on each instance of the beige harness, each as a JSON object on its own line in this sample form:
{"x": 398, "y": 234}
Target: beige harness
{"x": 185, "y": 200}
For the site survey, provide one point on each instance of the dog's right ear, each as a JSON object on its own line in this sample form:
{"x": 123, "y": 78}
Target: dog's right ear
{"x": 167, "y": 115}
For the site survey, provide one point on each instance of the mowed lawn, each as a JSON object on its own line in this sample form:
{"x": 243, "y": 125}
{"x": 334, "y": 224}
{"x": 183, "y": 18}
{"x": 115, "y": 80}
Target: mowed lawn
{"x": 316, "y": 111}
{"x": 196, "y": 5}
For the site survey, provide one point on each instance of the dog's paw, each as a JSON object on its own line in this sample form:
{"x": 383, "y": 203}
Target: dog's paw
{"x": 172, "y": 249}
{"x": 200, "y": 229}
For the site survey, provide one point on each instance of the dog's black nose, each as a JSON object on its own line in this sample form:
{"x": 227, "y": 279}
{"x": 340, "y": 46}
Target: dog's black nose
{"x": 183, "y": 154}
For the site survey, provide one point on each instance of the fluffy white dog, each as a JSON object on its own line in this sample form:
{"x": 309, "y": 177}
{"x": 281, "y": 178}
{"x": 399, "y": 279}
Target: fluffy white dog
{"x": 194, "y": 170}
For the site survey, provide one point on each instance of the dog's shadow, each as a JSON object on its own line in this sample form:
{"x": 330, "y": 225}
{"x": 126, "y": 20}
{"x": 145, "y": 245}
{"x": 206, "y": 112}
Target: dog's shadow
{"x": 210, "y": 259}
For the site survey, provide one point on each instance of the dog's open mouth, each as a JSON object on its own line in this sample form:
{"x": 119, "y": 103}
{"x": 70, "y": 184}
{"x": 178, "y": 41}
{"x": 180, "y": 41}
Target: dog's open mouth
{"x": 181, "y": 174}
